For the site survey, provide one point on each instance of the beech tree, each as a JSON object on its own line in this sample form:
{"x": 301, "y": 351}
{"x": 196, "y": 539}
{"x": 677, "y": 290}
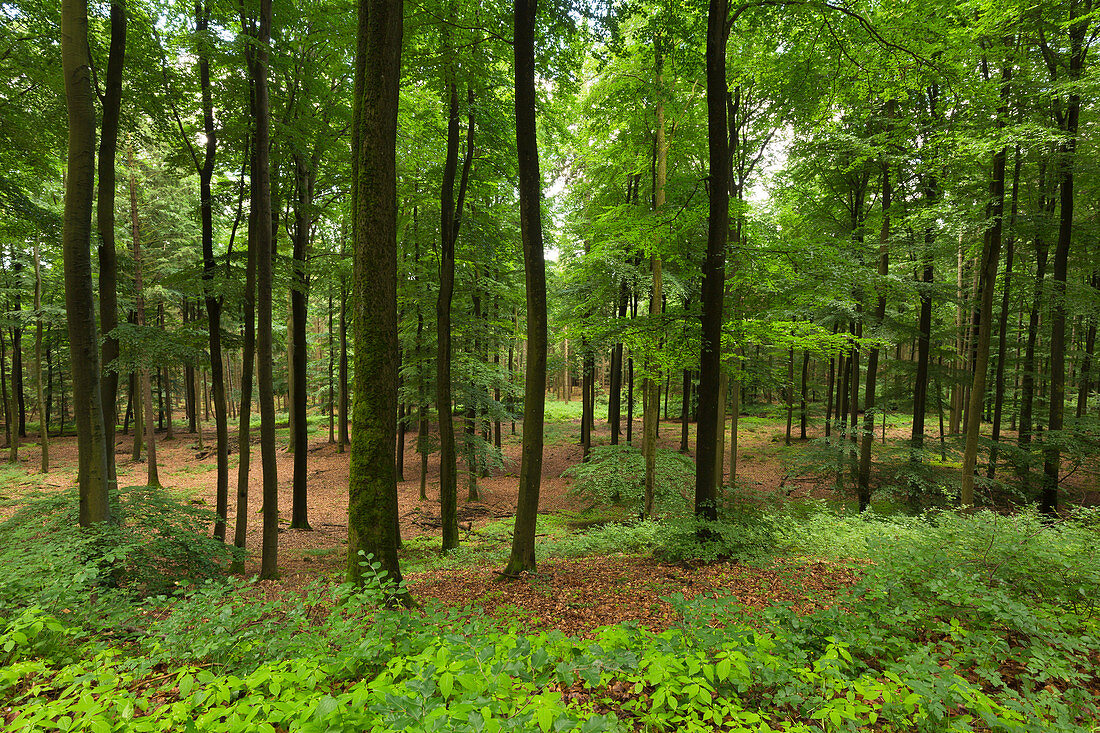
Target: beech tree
{"x": 372, "y": 491}
{"x": 94, "y": 472}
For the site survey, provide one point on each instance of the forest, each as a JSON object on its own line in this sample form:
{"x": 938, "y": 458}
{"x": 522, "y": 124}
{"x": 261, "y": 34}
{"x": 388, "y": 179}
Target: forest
{"x": 621, "y": 365}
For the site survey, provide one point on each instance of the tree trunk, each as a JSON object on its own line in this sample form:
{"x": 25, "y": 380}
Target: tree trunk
{"x": 343, "y": 438}
{"x": 93, "y": 475}
{"x": 212, "y": 301}
{"x": 450, "y": 222}
{"x": 139, "y": 309}
{"x": 863, "y": 482}
{"x": 614, "y": 397}
{"x": 303, "y": 205}
{"x": 710, "y": 364}
{"x": 105, "y": 223}
{"x": 790, "y": 396}
{"x": 331, "y": 370}
{"x": 1029, "y": 369}
{"x": 372, "y": 490}
{"x": 803, "y": 413}
{"x": 651, "y": 412}
{"x": 735, "y": 414}
{"x": 11, "y": 437}
{"x": 264, "y": 242}
{"x": 685, "y": 411}
{"x": 991, "y": 256}
{"x": 43, "y": 427}
{"x": 1002, "y": 335}
{"x": 530, "y": 197}
{"x": 1084, "y": 382}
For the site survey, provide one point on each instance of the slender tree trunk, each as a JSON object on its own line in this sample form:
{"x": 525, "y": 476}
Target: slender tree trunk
{"x": 248, "y": 352}
{"x": 530, "y": 197}
{"x": 790, "y": 396}
{"x": 614, "y": 398}
{"x": 93, "y": 475}
{"x": 213, "y": 302}
{"x": 139, "y": 308}
{"x": 43, "y": 426}
{"x": 342, "y": 413}
{"x": 710, "y": 362}
{"x": 11, "y": 436}
{"x": 803, "y": 414}
{"x": 1084, "y": 382}
{"x": 331, "y": 364}
{"x": 868, "y": 436}
{"x": 1002, "y": 335}
{"x": 1052, "y": 459}
{"x": 196, "y": 375}
{"x": 651, "y": 412}
{"x": 1029, "y": 369}
{"x": 19, "y": 406}
{"x": 991, "y": 256}
{"x": 263, "y": 223}
{"x": 685, "y": 411}
{"x": 450, "y": 222}
{"x": 299, "y": 292}
{"x": 831, "y": 389}
{"x": 735, "y": 414}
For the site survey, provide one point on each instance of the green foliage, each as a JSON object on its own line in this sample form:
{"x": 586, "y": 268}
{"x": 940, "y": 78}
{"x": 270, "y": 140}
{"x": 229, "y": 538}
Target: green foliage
{"x": 742, "y": 532}
{"x": 615, "y": 474}
{"x": 158, "y": 544}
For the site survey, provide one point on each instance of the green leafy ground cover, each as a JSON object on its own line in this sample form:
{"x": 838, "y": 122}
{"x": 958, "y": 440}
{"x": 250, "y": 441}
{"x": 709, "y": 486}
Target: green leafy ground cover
{"x": 958, "y": 622}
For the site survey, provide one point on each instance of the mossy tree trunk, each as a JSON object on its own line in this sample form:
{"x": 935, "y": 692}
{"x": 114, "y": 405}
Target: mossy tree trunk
{"x": 372, "y": 491}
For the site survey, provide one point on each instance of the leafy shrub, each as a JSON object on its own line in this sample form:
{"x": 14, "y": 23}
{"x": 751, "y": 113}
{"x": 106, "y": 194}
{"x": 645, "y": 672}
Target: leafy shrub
{"x": 742, "y": 532}
{"x": 632, "y": 538}
{"x": 615, "y": 474}
{"x": 157, "y": 543}
{"x": 810, "y": 528}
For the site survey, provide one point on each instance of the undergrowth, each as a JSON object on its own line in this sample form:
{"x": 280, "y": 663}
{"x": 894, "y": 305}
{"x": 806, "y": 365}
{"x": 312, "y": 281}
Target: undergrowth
{"x": 958, "y": 622}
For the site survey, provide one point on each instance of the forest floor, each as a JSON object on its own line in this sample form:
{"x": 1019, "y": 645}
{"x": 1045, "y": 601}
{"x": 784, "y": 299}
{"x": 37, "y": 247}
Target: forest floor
{"x": 944, "y": 614}
{"x": 574, "y": 595}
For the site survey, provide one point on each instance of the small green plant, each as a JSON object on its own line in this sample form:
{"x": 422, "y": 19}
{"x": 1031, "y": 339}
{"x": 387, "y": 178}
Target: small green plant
{"x": 615, "y": 474}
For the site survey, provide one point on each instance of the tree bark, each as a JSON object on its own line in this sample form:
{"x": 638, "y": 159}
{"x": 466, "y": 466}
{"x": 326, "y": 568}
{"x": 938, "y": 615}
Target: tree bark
{"x": 269, "y": 567}
{"x": 1002, "y": 329}
{"x": 105, "y": 222}
{"x": 863, "y": 483}
{"x": 93, "y": 474}
{"x": 153, "y": 478}
{"x": 991, "y": 256}
{"x": 530, "y": 200}
{"x": 372, "y": 490}
{"x": 615, "y": 395}
{"x": 450, "y": 222}
{"x": 303, "y": 204}
{"x": 213, "y": 302}
{"x": 710, "y": 366}
{"x": 1069, "y": 117}
{"x": 651, "y": 412}
{"x": 43, "y": 427}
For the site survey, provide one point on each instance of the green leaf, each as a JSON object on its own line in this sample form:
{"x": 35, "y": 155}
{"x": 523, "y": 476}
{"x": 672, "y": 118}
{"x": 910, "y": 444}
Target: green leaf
{"x": 327, "y": 706}
{"x": 545, "y": 717}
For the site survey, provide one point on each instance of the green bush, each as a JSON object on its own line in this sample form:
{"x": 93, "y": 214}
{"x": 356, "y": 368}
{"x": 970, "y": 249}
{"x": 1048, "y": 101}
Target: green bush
{"x": 615, "y": 474}
{"x": 156, "y": 544}
{"x": 742, "y": 532}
